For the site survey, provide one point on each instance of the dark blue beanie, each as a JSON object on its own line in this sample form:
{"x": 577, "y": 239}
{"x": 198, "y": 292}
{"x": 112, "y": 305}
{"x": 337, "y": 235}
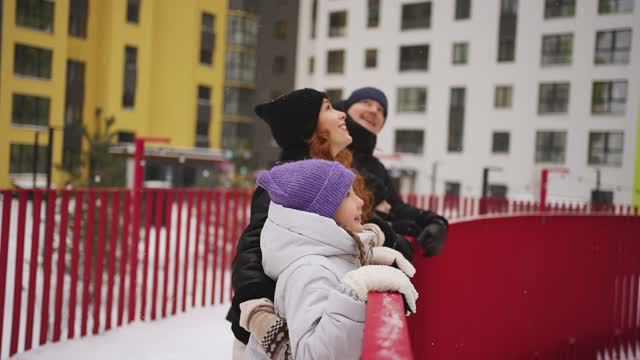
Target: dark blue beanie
{"x": 368, "y": 93}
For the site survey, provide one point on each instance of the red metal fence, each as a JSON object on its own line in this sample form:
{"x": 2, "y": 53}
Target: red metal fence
{"x": 79, "y": 262}
{"x": 85, "y": 261}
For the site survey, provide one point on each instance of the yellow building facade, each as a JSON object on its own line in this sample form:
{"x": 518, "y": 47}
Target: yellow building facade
{"x": 156, "y": 66}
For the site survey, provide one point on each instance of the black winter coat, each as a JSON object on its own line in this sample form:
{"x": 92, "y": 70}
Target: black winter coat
{"x": 248, "y": 278}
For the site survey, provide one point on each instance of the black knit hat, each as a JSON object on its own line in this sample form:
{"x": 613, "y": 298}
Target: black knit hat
{"x": 368, "y": 93}
{"x": 292, "y": 117}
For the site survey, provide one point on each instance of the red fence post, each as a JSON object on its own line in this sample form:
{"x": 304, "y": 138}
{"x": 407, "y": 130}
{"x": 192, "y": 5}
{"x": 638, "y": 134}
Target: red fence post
{"x": 86, "y": 272}
{"x": 186, "y": 251}
{"x": 196, "y": 249}
{"x": 75, "y": 254}
{"x": 62, "y": 253}
{"x": 225, "y": 238}
{"x": 145, "y": 262}
{"x": 386, "y": 334}
{"x": 33, "y": 267}
{"x": 176, "y": 265}
{"x": 167, "y": 240}
{"x": 216, "y": 245}
{"x": 17, "y": 285}
{"x": 207, "y": 240}
{"x": 48, "y": 253}
{"x": 97, "y": 288}
{"x": 156, "y": 252}
{"x": 124, "y": 247}
{"x": 234, "y": 234}
{"x": 113, "y": 243}
{"x": 4, "y": 253}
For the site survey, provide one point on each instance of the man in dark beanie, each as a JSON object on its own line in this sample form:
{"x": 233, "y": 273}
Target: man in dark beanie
{"x": 366, "y": 110}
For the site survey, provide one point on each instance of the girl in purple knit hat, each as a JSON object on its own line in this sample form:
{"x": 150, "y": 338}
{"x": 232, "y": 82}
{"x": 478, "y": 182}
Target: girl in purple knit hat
{"x": 322, "y": 258}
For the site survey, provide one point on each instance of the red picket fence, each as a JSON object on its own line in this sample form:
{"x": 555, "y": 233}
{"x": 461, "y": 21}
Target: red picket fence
{"x": 79, "y": 262}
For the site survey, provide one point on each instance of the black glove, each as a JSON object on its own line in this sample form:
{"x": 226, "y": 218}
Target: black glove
{"x": 392, "y": 239}
{"x": 406, "y": 228}
{"x": 432, "y": 237}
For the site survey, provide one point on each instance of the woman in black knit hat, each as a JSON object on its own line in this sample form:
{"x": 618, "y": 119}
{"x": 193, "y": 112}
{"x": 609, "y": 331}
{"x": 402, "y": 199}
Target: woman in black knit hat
{"x": 304, "y": 125}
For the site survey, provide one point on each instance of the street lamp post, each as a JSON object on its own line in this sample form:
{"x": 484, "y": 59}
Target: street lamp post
{"x": 544, "y": 179}
{"x": 485, "y": 187}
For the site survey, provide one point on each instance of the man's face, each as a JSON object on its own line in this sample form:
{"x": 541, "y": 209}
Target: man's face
{"x": 369, "y": 114}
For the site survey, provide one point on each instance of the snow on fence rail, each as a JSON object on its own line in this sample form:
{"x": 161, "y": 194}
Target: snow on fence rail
{"x": 74, "y": 262}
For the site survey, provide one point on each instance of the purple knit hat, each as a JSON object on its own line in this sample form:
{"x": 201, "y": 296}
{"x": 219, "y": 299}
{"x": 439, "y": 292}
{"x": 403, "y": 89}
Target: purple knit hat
{"x": 316, "y": 186}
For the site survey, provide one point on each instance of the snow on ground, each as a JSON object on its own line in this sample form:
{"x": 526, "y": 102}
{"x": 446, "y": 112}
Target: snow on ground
{"x": 198, "y": 334}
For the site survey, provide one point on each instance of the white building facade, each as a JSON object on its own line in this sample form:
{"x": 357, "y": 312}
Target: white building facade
{"x": 514, "y": 86}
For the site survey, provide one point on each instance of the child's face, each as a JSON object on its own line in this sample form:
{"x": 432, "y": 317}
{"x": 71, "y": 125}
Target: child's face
{"x": 349, "y": 214}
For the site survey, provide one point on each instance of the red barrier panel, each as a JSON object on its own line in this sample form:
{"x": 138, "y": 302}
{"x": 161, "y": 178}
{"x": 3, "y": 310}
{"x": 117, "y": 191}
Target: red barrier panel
{"x": 62, "y": 252}
{"x": 529, "y": 287}
{"x": 124, "y": 248}
{"x": 176, "y": 266}
{"x": 75, "y": 254}
{"x": 4, "y": 253}
{"x": 17, "y": 285}
{"x": 48, "y": 254}
{"x": 196, "y": 250}
{"x": 33, "y": 268}
{"x": 86, "y": 271}
{"x": 216, "y": 246}
{"x": 386, "y": 334}
{"x": 97, "y": 286}
{"x": 207, "y": 240}
{"x": 113, "y": 241}
{"x": 167, "y": 251}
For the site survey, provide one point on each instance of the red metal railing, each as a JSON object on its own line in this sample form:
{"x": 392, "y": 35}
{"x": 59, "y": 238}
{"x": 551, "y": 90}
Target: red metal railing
{"x": 89, "y": 260}
{"x": 77, "y": 261}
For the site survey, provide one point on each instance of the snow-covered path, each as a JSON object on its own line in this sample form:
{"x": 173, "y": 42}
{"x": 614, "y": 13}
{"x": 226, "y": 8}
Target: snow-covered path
{"x": 199, "y": 334}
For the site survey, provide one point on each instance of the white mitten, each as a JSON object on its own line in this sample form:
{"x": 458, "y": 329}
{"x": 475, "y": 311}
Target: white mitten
{"x": 391, "y": 257}
{"x": 380, "y": 278}
{"x": 375, "y": 229}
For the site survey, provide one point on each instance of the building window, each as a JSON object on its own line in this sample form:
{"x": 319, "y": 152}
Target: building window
{"x": 500, "y": 142}
{"x": 503, "y": 97}
{"x": 207, "y": 38}
{"x": 237, "y": 136}
{"x": 279, "y": 65}
{"x": 78, "y": 13}
{"x": 32, "y": 61}
{"x": 130, "y": 77}
{"x": 412, "y": 99}
{"x": 609, "y": 97}
{"x": 244, "y": 5}
{"x": 409, "y": 141}
{"x": 507, "y": 30}
{"x": 559, "y": 8}
{"x": 451, "y": 188}
{"x": 460, "y": 53}
{"x": 242, "y": 31}
{"x": 314, "y": 18}
{"x": 415, "y": 57}
{"x": 311, "y": 65}
{"x": 497, "y": 191}
{"x": 280, "y": 30}
{"x": 74, "y": 105}
{"x": 239, "y": 101}
{"x": 21, "y": 159}
{"x": 373, "y": 14}
{"x": 335, "y": 62}
{"x": 35, "y": 14}
{"x": 551, "y": 146}
{"x": 371, "y": 58}
{"x": 613, "y": 46}
{"x": 416, "y": 16}
{"x": 456, "y": 119}
{"x": 133, "y": 11}
{"x": 463, "y": 9}
{"x": 203, "y": 113}
{"x": 240, "y": 66}
{"x": 338, "y": 24}
{"x": 553, "y": 98}
{"x": 605, "y": 148}
{"x": 557, "y": 49}
{"x": 30, "y": 110}
{"x": 615, "y": 6}
{"x": 334, "y": 94}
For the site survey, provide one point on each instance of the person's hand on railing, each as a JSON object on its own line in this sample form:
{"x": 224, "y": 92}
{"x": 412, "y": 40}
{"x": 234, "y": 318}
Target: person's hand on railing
{"x": 390, "y": 257}
{"x": 360, "y": 282}
{"x": 432, "y": 237}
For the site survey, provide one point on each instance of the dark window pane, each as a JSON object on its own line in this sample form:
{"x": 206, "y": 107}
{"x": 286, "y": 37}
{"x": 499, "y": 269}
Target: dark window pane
{"x": 415, "y": 57}
{"x": 371, "y": 58}
{"x": 337, "y": 24}
{"x": 615, "y": 6}
{"x": 412, "y": 99}
{"x": 239, "y": 101}
{"x": 416, "y": 16}
{"x": 74, "y": 106}
{"x": 500, "y": 143}
{"x": 553, "y": 98}
{"x": 457, "y": 99}
{"x": 409, "y": 141}
{"x": 240, "y": 66}
{"x": 207, "y": 38}
{"x": 557, "y": 49}
{"x": 373, "y": 14}
{"x": 203, "y": 113}
{"x": 507, "y": 30}
{"x": 335, "y": 62}
{"x": 32, "y": 61}
{"x": 21, "y": 159}
{"x": 503, "y": 96}
{"x": 133, "y": 11}
{"x": 606, "y": 148}
{"x": 551, "y": 146}
{"x": 460, "y": 53}
{"x": 35, "y": 14}
{"x": 613, "y": 47}
{"x": 30, "y": 110}
{"x": 242, "y": 31}
{"x": 463, "y": 9}
{"x": 559, "y": 8}
{"x": 130, "y": 77}
{"x": 609, "y": 97}
{"x": 78, "y": 14}
{"x": 245, "y": 5}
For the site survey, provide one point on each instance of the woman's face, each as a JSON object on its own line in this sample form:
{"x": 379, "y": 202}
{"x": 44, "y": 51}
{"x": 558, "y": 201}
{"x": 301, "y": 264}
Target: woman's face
{"x": 331, "y": 122}
{"x": 349, "y": 213}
